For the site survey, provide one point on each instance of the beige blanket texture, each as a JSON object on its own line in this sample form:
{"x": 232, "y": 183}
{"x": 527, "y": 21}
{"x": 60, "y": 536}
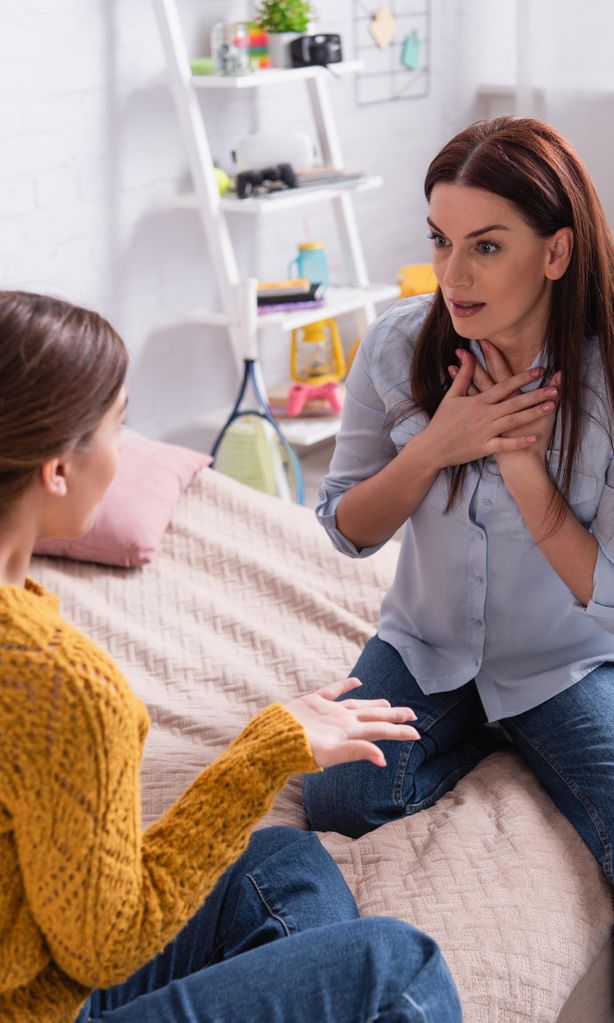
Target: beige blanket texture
{"x": 247, "y": 603}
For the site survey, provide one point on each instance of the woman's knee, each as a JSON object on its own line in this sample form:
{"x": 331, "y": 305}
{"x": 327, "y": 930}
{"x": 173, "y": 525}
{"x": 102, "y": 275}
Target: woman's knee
{"x": 351, "y": 799}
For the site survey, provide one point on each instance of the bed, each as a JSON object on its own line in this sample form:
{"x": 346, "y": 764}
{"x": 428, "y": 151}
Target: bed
{"x": 247, "y": 603}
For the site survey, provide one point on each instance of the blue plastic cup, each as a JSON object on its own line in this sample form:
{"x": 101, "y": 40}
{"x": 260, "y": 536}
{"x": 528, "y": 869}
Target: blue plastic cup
{"x": 311, "y": 263}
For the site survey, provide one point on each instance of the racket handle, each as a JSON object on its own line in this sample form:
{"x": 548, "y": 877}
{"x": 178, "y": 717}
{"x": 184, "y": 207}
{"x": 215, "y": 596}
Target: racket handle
{"x": 248, "y": 313}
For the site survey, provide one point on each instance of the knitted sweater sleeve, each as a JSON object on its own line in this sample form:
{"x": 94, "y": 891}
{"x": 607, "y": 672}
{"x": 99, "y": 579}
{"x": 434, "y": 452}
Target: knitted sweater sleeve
{"x": 107, "y": 897}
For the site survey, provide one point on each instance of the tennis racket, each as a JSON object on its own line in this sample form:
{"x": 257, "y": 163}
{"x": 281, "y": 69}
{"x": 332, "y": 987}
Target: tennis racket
{"x": 251, "y": 447}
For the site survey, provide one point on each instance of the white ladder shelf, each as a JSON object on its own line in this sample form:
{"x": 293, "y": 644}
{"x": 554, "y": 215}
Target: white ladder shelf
{"x": 357, "y": 296}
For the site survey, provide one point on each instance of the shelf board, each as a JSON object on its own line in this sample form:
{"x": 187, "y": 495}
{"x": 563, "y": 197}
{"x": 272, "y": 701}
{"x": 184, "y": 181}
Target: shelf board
{"x": 280, "y": 201}
{"x": 338, "y": 301}
{"x": 301, "y": 432}
{"x": 273, "y": 76}
{"x": 276, "y": 202}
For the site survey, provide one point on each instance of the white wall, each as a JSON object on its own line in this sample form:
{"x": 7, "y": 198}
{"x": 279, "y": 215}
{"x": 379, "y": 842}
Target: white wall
{"x": 91, "y": 157}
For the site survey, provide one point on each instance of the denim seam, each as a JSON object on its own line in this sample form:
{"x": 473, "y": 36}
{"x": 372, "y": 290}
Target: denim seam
{"x": 406, "y": 753}
{"x": 596, "y": 819}
{"x": 415, "y": 1005}
{"x": 268, "y": 908}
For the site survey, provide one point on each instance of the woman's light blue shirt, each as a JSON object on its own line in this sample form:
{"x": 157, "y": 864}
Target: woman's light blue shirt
{"x": 473, "y": 595}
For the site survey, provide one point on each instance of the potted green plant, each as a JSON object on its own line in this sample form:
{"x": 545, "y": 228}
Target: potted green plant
{"x": 283, "y": 21}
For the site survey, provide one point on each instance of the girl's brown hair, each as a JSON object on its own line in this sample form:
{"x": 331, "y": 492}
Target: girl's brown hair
{"x": 61, "y": 369}
{"x": 531, "y": 165}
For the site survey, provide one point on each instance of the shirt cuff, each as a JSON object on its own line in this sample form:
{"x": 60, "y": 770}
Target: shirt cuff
{"x": 327, "y": 517}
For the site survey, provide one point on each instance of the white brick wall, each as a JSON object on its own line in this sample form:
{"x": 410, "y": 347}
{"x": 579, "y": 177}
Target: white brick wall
{"x": 91, "y": 154}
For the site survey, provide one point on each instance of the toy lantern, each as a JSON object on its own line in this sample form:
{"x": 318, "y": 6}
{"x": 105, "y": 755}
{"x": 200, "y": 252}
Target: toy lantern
{"x": 316, "y": 355}
{"x": 317, "y": 364}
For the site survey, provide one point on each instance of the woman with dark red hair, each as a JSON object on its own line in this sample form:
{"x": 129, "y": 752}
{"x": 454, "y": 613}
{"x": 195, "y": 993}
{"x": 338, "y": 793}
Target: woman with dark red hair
{"x": 480, "y": 421}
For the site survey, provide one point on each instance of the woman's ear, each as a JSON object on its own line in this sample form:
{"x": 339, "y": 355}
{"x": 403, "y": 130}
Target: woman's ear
{"x": 558, "y": 253}
{"x": 53, "y": 477}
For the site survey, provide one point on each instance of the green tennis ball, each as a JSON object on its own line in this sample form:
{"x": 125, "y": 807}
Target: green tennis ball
{"x": 202, "y": 66}
{"x": 223, "y": 181}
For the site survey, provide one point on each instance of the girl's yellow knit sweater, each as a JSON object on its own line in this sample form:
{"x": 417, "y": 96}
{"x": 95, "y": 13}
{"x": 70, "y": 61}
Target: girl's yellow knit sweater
{"x": 85, "y": 897}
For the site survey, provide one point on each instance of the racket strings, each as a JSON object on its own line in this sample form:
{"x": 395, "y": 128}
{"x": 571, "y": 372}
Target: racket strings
{"x": 252, "y": 452}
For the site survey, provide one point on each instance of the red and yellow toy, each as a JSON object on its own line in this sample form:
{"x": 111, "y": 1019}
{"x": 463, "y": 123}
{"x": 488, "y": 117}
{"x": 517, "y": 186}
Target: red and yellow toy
{"x": 317, "y": 365}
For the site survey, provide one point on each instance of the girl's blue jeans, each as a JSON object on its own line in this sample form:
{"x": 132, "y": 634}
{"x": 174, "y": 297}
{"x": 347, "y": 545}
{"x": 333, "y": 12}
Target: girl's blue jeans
{"x": 568, "y": 741}
{"x": 279, "y": 940}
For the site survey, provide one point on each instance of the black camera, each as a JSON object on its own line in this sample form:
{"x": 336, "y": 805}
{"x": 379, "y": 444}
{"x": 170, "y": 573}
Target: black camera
{"x": 247, "y": 181}
{"x": 319, "y": 49}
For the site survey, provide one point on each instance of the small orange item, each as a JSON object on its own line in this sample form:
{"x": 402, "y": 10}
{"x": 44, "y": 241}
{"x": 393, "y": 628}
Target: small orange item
{"x": 416, "y": 279}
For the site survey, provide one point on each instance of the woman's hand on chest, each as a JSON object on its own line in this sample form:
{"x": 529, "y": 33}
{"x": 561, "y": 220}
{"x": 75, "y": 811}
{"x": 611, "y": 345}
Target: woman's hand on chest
{"x": 472, "y": 423}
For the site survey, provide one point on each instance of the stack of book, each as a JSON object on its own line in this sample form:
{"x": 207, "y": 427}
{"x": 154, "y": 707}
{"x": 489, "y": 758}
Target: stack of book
{"x": 328, "y": 176}
{"x": 295, "y": 293}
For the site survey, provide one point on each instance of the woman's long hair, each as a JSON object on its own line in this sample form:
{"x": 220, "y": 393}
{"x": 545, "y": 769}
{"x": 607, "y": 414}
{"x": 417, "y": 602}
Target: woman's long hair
{"x": 531, "y": 165}
{"x": 61, "y": 369}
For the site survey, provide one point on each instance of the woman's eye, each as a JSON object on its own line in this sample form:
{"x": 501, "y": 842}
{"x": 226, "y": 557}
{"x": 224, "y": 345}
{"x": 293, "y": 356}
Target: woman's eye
{"x": 438, "y": 240}
{"x": 487, "y": 248}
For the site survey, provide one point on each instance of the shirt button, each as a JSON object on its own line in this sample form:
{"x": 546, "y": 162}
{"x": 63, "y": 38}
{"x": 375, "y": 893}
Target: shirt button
{"x": 479, "y": 579}
{"x": 487, "y": 502}
{"x": 476, "y": 621}
{"x": 475, "y": 661}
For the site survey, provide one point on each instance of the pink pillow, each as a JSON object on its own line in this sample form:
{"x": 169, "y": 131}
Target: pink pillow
{"x": 138, "y": 505}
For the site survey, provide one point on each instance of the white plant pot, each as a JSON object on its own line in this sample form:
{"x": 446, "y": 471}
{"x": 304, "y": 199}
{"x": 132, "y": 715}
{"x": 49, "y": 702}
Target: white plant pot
{"x": 279, "y": 47}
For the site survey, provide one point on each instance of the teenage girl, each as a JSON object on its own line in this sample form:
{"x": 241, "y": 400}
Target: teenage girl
{"x": 97, "y": 920}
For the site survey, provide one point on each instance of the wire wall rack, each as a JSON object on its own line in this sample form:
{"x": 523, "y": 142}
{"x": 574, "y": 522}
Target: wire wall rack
{"x": 385, "y": 77}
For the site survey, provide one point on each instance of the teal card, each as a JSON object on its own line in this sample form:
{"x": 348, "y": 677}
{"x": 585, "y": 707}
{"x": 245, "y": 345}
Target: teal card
{"x": 410, "y": 53}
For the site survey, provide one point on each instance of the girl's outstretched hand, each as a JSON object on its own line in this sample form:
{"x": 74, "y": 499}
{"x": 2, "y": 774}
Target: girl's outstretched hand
{"x": 340, "y": 732}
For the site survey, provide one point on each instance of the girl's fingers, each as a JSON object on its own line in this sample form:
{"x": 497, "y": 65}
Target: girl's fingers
{"x": 361, "y": 704}
{"x": 335, "y": 689}
{"x": 357, "y": 749}
{"x": 375, "y": 731}
{"x": 398, "y": 714}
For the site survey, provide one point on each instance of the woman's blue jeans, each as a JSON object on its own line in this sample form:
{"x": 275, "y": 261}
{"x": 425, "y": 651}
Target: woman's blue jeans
{"x": 228, "y": 965}
{"x": 568, "y": 741}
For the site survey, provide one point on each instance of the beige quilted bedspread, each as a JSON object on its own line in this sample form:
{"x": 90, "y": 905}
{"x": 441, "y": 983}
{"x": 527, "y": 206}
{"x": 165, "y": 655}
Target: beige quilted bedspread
{"x": 247, "y": 603}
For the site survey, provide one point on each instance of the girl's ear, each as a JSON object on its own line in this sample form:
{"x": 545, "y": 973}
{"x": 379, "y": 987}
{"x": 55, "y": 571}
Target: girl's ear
{"x": 53, "y": 477}
{"x": 558, "y": 253}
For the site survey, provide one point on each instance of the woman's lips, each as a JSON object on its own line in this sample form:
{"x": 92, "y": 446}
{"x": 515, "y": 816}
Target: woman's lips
{"x": 463, "y": 309}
